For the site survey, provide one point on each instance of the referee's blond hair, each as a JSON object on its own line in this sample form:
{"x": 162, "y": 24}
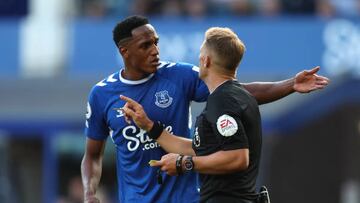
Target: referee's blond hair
{"x": 226, "y": 46}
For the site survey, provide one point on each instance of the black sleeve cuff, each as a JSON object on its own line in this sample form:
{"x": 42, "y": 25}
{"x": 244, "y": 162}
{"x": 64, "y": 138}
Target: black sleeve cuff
{"x": 156, "y": 130}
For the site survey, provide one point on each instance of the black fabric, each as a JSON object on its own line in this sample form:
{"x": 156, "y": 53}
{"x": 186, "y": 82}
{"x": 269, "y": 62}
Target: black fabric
{"x": 179, "y": 164}
{"x": 227, "y": 199}
{"x": 156, "y": 130}
{"x": 233, "y": 101}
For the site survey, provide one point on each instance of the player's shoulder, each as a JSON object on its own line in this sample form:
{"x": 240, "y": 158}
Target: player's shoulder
{"x": 166, "y": 66}
{"x": 105, "y": 84}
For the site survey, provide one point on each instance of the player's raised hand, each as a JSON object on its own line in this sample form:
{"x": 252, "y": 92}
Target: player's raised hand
{"x": 135, "y": 111}
{"x": 307, "y": 81}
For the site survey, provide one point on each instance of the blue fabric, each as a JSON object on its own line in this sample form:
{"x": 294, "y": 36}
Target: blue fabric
{"x": 166, "y": 97}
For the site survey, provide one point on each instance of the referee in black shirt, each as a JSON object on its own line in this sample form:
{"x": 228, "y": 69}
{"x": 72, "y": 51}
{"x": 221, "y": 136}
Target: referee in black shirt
{"x": 226, "y": 146}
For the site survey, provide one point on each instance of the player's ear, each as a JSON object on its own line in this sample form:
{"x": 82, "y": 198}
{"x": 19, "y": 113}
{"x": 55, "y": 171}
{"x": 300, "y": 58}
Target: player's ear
{"x": 123, "y": 51}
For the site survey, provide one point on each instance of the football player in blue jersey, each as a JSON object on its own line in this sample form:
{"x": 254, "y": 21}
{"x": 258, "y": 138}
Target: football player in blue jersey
{"x": 165, "y": 90}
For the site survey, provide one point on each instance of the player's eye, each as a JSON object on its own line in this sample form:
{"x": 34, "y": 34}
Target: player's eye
{"x": 146, "y": 45}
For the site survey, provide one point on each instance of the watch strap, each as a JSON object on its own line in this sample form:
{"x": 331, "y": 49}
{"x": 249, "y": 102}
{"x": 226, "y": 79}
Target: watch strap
{"x": 179, "y": 164}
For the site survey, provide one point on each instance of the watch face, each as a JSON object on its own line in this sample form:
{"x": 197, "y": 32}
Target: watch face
{"x": 188, "y": 164}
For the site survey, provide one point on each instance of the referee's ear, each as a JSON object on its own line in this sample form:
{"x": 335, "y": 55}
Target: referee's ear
{"x": 207, "y": 61}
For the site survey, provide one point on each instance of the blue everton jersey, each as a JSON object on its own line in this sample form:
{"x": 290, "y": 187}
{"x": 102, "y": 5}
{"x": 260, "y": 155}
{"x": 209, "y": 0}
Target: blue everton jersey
{"x": 165, "y": 96}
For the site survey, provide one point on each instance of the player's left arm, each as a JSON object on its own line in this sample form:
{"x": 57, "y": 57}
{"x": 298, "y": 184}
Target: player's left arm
{"x": 303, "y": 82}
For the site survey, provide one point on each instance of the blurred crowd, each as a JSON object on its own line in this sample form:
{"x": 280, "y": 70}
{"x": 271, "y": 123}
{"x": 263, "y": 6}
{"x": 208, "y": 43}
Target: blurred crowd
{"x": 201, "y": 8}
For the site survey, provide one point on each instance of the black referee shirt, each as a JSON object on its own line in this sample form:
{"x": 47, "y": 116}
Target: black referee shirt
{"x": 231, "y": 120}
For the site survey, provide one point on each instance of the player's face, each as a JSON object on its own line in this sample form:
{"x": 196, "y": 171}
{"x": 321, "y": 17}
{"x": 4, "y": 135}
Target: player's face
{"x": 142, "y": 51}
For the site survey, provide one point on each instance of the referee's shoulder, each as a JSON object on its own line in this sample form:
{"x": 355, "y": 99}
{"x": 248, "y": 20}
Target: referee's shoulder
{"x": 232, "y": 94}
{"x": 220, "y": 97}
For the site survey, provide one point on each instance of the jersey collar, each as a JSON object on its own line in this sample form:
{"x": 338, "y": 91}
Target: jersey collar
{"x": 222, "y": 84}
{"x": 134, "y": 82}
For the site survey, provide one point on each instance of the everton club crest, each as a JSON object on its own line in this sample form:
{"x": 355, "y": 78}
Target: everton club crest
{"x": 163, "y": 99}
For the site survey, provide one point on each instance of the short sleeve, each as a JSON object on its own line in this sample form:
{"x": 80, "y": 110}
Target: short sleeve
{"x": 95, "y": 126}
{"x": 225, "y": 118}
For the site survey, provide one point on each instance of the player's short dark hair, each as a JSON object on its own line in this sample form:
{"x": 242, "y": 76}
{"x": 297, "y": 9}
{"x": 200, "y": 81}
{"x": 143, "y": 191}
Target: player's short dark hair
{"x": 123, "y": 29}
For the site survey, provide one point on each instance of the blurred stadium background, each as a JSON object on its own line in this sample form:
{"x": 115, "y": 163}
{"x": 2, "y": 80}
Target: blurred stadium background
{"x": 53, "y": 52}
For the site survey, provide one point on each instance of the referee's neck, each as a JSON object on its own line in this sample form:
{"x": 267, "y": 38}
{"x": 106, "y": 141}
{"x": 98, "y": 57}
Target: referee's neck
{"x": 213, "y": 81}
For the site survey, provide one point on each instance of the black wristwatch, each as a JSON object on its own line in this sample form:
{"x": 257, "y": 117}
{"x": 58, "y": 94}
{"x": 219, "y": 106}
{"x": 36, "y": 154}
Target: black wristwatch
{"x": 189, "y": 163}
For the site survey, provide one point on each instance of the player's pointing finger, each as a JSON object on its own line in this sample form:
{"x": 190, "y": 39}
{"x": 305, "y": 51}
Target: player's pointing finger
{"x": 128, "y": 112}
{"x": 131, "y": 103}
{"x": 127, "y": 99}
